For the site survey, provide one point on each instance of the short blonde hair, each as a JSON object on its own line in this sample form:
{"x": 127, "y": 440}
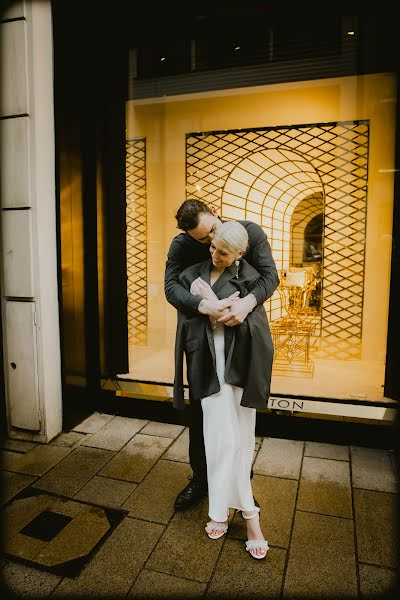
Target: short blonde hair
{"x": 234, "y": 234}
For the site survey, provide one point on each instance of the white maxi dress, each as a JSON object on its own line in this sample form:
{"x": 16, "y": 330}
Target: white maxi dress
{"x": 229, "y": 439}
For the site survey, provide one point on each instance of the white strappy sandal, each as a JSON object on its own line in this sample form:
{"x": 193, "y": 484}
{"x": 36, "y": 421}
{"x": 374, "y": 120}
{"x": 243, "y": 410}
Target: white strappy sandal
{"x": 252, "y": 545}
{"x": 220, "y": 528}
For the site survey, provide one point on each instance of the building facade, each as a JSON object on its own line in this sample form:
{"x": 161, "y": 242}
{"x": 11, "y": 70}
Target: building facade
{"x": 108, "y": 122}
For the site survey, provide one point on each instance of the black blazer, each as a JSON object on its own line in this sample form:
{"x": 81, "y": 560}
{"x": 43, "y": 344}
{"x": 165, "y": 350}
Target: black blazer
{"x": 248, "y": 347}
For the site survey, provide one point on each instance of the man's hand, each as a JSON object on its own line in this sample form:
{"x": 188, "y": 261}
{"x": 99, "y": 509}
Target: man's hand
{"x": 216, "y": 308}
{"x": 239, "y": 308}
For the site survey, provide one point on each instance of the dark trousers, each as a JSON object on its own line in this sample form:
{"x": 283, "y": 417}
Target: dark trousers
{"x": 197, "y": 453}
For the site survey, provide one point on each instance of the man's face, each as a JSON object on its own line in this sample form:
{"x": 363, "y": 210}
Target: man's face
{"x": 205, "y": 229}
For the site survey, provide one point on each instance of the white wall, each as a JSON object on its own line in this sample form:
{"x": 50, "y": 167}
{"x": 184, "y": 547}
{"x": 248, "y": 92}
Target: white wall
{"x": 28, "y": 246}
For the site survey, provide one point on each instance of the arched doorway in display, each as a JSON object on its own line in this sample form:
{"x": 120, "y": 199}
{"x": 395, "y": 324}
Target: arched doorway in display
{"x": 280, "y": 190}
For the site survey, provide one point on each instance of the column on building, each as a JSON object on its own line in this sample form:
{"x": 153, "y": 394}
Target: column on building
{"x": 29, "y": 288}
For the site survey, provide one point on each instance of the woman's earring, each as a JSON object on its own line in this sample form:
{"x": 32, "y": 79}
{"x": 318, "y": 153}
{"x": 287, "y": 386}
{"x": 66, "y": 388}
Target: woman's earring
{"x": 237, "y": 263}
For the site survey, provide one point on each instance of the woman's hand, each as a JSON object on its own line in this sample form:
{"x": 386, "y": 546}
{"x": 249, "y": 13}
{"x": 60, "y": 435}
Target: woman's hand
{"x": 202, "y": 289}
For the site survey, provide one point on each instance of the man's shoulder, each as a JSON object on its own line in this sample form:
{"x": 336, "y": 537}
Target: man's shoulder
{"x": 182, "y": 242}
{"x": 196, "y": 268}
{"x": 247, "y": 269}
{"x": 250, "y": 224}
{"x": 254, "y": 231}
{"x": 181, "y": 238}
{"x": 187, "y": 251}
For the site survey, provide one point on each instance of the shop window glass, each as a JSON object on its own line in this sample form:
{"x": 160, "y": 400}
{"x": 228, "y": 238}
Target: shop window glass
{"x": 300, "y": 159}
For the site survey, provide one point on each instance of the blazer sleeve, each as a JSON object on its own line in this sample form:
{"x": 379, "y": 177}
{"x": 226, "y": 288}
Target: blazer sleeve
{"x": 175, "y": 293}
{"x": 178, "y": 389}
{"x": 260, "y": 257}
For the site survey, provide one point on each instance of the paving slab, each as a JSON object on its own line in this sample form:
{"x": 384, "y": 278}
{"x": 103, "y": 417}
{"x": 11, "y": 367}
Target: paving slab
{"x": 277, "y": 499}
{"x": 325, "y": 487}
{"x": 115, "y": 434}
{"x": 179, "y": 450}
{"x": 37, "y": 461}
{"x": 372, "y": 469}
{"x": 17, "y": 445}
{"x": 106, "y": 491}
{"x": 13, "y": 483}
{"x": 151, "y": 584}
{"x": 238, "y": 575}
{"x": 114, "y": 568}
{"x": 375, "y": 582}
{"x": 280, "y": 458}
{"x": 9, "y": 459}
{"x": 320, "y": 450}
{"x": 137, "y": 457}
{"x": 185, "y": 549}
{"x": 26, "y": 582}
{"x": 93, "y": 423}
{"x": 153, "y": 499}
{"x": 169, "y": 430}
{"x": 71, "y": 474}
{"x": 376, "y": 522}
{"x": 68, "y": 439}
{"x": 321, "y": 558}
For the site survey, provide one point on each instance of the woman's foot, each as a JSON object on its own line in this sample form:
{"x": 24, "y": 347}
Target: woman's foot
{"x": 256, "y": 543}
{"x": 216, "y": 529}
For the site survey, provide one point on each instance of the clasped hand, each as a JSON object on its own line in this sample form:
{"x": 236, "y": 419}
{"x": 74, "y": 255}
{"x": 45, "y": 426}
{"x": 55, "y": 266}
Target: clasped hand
{"x": 230, "y": 311}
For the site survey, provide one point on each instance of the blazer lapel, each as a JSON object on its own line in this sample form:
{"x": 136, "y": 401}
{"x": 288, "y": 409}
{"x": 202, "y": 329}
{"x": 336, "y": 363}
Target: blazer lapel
{"x": 205, "y": 271}
{"x": 226, "y": 276}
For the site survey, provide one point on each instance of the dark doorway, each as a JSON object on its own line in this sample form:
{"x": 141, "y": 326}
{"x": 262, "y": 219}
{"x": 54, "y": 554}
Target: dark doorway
{"x": 90, "y": 72}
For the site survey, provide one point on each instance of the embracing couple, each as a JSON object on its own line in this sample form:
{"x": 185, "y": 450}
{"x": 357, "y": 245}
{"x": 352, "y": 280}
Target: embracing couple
{"x": 218, "y": 276}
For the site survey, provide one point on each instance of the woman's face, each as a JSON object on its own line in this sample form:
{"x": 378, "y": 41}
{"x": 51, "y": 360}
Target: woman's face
{"x": 221, "y": 254}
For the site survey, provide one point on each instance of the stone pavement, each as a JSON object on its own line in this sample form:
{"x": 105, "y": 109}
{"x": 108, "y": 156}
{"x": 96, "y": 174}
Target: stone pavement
{"x": 90, "y": 515}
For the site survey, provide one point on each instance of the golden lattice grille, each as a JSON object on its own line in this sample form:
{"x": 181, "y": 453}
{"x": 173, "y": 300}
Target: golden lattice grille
{"x": 136, "y": 240}
{"x": 264, "y": 174}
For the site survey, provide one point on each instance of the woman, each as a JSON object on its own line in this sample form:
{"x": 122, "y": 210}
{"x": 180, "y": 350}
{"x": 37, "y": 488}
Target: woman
{"x": 229, "y": 372}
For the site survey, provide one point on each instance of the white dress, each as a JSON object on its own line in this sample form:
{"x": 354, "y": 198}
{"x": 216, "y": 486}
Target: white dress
{"x": 229, "y": 439}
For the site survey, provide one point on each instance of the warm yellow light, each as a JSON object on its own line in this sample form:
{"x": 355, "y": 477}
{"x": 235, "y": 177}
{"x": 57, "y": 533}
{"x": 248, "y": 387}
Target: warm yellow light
{"x": 163, "y": 58}
{"x": 351, "y": 33}
{"x": 198, "y": 187}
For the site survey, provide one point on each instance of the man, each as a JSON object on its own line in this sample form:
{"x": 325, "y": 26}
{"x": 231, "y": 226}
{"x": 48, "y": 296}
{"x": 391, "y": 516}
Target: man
{"x": 198, "y": 222}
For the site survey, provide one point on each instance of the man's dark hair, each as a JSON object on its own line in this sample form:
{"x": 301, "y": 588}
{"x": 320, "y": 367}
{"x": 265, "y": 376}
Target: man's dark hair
{"x": 187, "y": 216}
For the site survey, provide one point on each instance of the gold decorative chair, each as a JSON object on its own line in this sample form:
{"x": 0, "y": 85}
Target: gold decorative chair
{"x": 292, "y": 331}
{"x": 295, "y": 289}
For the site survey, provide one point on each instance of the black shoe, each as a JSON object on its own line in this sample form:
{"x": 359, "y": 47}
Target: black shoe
{"x": 191, "y": 495}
